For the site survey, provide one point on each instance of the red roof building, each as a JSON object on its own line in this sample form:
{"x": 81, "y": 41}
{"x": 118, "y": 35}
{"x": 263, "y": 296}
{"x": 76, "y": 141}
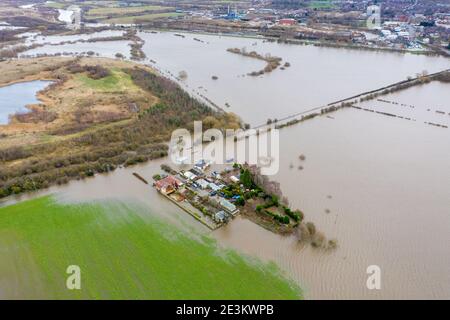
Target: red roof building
{"x": 287, "y": 22}
{"x": 168, "y": 184}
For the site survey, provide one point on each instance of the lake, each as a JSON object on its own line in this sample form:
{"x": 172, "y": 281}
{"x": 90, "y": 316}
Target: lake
{"x": 15, "y": 97}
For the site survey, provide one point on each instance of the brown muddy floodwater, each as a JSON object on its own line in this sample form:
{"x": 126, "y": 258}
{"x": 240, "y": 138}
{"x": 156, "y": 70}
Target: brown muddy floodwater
{"x": 316, "y": 76}
{"x": 380, "y": 185}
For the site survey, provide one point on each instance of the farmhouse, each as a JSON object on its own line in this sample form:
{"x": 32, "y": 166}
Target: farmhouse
{"x": 168, "y": 184}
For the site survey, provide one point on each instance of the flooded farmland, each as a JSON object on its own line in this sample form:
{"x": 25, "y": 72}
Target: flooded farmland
{"x": 378, "y": 184}
{"x": 316, "y": 76}
{"x": 312, "y": 80}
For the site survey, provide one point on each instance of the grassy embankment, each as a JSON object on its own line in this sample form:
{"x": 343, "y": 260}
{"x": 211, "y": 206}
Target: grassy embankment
{"x": 123, "y": 253}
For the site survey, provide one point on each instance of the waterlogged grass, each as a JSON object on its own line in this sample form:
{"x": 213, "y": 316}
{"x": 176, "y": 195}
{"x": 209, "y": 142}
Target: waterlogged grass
{"x": 123, "y": 253}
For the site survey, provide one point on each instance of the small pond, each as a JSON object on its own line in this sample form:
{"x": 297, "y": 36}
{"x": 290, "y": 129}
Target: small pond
{"x": 15, "y": 97}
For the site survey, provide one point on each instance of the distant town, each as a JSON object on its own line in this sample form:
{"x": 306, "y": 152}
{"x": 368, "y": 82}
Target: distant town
{"x": 403, "y": 25}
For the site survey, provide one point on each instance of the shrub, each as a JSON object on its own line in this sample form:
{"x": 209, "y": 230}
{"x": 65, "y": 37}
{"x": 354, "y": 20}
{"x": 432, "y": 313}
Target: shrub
{"x": 300, "y": 215}
{"x": 291, "y": 214}
{"x": 240, "y": 201}
{"x": 311, "y": 228}
{"x": 318, "y": 240}
{"x": 246, "y": 178}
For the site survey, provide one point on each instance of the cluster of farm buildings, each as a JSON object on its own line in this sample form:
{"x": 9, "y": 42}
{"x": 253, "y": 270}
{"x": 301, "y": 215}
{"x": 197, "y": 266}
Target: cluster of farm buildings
{"x": 199, "y": 193}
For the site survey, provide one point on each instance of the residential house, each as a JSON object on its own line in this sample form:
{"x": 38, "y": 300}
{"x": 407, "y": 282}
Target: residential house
{"x": 168, "y": 185}
{"x": 228, "y": 207}
{"x": 220, "y": 216}
{"x": 189, "y": 175}
{"x": 202, "y": 183}
{"x": 234, "y": 179}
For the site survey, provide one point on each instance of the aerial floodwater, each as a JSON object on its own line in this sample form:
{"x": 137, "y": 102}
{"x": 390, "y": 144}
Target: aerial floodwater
{"x": 316, "y": 75}
{"x": 378, "y": 184}
{"x": 15, "y": 97}
{"x": 386, "y": 205}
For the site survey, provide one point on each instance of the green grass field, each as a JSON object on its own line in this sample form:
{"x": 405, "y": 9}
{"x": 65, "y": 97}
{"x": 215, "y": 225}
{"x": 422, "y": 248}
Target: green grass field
{"x": 115, "y": 82}
{"x": 141, "y": 18}
{"x": 56, "y": 5}
{"x": 123, "y": 253}
{"x": 124, "y": 10}
{"x": 321, "y": 4}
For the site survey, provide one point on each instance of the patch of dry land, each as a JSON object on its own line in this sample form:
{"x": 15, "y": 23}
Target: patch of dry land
{"x": 97, "y": 115}
{"x": 77, "y": 100}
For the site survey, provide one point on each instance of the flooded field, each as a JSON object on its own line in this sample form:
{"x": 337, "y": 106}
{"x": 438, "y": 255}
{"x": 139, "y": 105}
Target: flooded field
{"x": 378, "y": 184}
{"x": 313, "y": 79}
{"x": 426, "y": 103}
{"x": 106, "y": 49}
{"x": 15, "y": 97}
{"x": 56, "y": 39}
{"x": 316, "y": 77}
